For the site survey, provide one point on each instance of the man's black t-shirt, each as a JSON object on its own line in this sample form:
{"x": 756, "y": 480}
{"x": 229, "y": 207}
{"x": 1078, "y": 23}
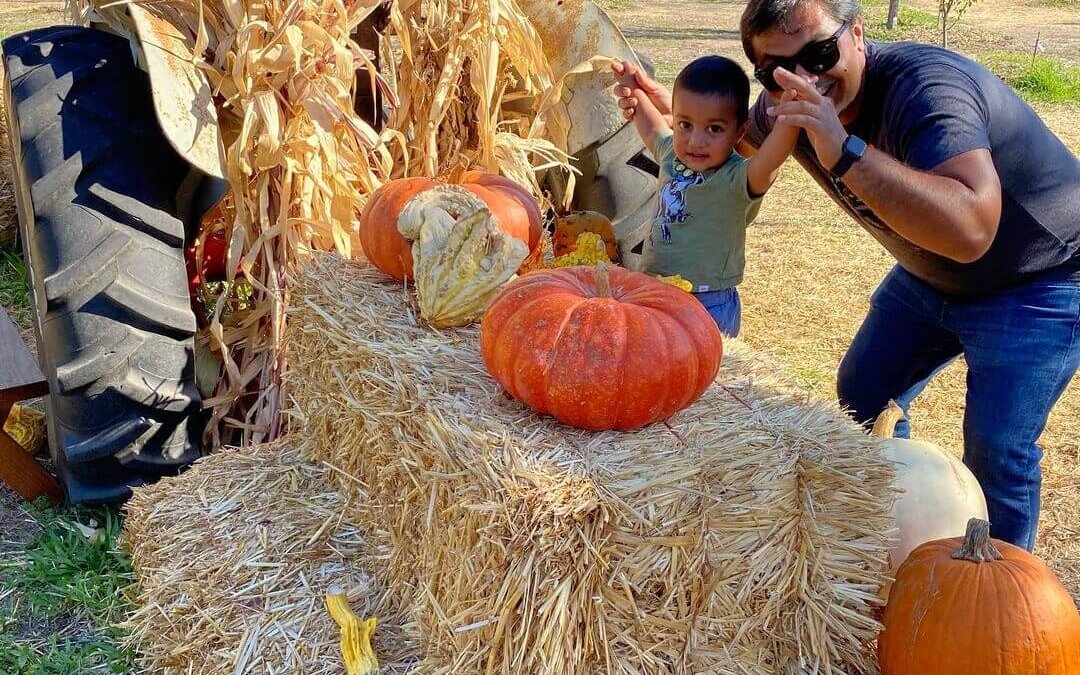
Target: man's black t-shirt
{"x": 923, "y": 105}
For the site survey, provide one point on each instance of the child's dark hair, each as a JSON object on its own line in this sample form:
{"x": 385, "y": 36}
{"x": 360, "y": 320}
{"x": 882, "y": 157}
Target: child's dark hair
{"x": 717, "y": 76}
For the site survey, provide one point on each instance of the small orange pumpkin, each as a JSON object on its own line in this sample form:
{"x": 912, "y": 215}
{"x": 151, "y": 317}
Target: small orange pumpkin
{"x": 972, "y": 606}
{"x": 600, "y": 347}
{"x": 379, "y": 237}
{"x": 570, "y": 226}
{"x": 514, "y": 210}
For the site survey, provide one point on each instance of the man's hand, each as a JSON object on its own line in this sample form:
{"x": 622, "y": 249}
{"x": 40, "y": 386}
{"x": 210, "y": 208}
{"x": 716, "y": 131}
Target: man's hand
{"x": 812, "y": 112}
{"x": 631, "y": 81}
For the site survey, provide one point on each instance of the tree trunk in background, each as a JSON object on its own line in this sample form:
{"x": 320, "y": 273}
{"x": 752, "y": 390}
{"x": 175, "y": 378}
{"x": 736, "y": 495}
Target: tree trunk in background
{"x": 943, "y": 13}
{"x": 894, "y": 10}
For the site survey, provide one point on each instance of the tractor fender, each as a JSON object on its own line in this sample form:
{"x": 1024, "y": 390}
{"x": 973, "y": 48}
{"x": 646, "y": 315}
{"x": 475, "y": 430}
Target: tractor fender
{"x": 183, "y": 98}
{"x": 572, "y": 32}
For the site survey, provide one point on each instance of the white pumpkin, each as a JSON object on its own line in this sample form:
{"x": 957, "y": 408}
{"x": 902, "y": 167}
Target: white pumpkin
{"x": 939, "y": 493}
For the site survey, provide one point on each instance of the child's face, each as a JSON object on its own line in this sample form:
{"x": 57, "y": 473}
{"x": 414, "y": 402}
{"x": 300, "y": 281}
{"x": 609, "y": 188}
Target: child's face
{"x": 706, "y": 129}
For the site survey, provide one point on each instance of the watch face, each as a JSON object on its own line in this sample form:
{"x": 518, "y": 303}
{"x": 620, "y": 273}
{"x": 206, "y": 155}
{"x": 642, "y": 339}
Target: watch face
{"x": 855, "y": 146}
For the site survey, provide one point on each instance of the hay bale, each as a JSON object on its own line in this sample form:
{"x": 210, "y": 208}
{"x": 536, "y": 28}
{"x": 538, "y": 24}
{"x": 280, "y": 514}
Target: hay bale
{"x": 233, "y": 559}
{"x": 749, "y": 536}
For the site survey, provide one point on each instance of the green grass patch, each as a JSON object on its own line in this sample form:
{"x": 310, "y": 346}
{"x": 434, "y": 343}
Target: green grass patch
{"x": 815, "y": 378}
{"x": 14, "y": 294}
{"x": 918, "y": 25}
{"x": 1042, "y": 79}
{"x": 1060, "y": 3}
{"x": 69, "y": 580}
{"x": 65, "y": 569}
{"x": 910, "y": 17}
{"x": 96, "y": 655}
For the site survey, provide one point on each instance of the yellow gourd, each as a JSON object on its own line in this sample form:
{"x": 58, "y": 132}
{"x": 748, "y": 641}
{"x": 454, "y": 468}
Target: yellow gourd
{"x": 678, "y": 282}
{"x": 572, "y": 225}
{"x": 27, "y": 427}
{"x": 356, "y": 635}
{"x": 589, "y": 250}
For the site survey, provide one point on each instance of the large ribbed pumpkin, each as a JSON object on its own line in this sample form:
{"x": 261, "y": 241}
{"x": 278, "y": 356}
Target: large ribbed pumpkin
{"x": 974, "y": 606}
{"x": 600, "y": 347}
{"x": 513, "y": 208}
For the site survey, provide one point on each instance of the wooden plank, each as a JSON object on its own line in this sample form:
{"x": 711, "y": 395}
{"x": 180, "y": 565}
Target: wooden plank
{"x": 22, "y": 473}
{"x": 18, "y": 368}
{"x": 20, "y": 378}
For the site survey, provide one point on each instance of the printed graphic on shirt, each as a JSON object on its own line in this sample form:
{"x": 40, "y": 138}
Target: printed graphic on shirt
{"x": 671, "y": 209}
{"x": 856, "y": 204}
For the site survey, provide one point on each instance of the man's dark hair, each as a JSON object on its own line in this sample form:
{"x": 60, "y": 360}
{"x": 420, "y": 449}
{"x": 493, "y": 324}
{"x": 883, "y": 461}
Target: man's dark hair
{"x": 761, "y": 15}
{"x": 717, "y": 76}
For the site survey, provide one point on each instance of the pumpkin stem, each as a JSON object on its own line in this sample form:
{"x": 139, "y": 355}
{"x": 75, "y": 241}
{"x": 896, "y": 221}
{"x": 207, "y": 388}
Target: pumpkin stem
{"x": 977, "y": 546}
{"x": 603, "y": 283}
{"x": 885, "y": 424}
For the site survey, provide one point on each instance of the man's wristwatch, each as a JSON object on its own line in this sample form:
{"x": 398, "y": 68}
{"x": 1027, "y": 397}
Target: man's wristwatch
{"x": 852, "y": 151}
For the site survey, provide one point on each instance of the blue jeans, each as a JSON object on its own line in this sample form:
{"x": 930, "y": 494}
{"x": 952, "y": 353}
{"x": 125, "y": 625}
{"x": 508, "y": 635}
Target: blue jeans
{"x": 725, "y": 307}
{"x": 1022, "y": 346}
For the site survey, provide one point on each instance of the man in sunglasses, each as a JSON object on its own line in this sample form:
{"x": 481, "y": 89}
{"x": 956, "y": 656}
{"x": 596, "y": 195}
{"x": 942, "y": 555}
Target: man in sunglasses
{"x": 975, "y": 198}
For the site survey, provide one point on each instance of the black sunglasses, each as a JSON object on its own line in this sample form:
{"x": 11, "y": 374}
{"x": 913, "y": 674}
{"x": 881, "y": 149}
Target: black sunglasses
{"x": 816, "y": 57}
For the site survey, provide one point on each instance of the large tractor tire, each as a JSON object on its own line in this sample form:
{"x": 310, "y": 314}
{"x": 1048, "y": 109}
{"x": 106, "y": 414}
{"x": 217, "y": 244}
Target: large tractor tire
{"x": 97, "y": 189}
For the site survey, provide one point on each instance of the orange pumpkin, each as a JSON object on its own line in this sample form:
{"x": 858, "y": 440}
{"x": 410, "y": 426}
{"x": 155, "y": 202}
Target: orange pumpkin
{"x": 514, "y": 209}
{"x": 972, "y": 606}
{"x": 600, "y": 347}
{"x": 570, "y": 226}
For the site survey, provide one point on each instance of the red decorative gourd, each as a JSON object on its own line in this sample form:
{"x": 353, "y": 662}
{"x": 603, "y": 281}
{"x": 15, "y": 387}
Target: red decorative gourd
{"x": 514, "y": 209}
{"x": 600, "y": 347}
{"x": 972, "y": 606}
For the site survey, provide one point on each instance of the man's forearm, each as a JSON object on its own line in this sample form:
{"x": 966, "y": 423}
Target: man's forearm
{"x": 935, "y": 212}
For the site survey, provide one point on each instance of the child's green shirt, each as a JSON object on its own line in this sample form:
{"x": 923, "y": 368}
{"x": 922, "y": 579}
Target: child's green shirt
{"x": 699, "y": 230}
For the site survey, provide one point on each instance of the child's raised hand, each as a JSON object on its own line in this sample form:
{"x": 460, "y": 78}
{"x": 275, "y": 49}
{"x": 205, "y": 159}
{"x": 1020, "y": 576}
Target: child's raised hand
{"x": 787, "y": 96}
{"x": 625, "y": 74}
{"x": 626, "y": 86}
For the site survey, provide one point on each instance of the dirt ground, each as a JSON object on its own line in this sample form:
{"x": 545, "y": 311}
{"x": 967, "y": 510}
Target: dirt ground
{"x": 810, "y": 270}
{"x": 1055, "y": 25}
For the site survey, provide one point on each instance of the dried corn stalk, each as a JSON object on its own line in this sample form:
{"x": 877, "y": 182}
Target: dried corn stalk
{"x": 299, "y": 162}
{"x": 475, "y": 89}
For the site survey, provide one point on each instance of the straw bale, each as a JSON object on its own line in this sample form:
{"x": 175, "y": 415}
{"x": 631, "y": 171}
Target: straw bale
{"x": 747, "y": 535}
{"x": 233, "y": 559}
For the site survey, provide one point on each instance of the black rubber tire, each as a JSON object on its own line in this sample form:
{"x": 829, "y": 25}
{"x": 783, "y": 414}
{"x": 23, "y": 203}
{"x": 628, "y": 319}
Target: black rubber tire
{"x": 96, "y": 183}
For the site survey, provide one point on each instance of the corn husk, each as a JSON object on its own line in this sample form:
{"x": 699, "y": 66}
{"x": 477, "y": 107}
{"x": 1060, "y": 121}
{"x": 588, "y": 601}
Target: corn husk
{"x": 748, "y": 534}
{"x": 475, "y": 90}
